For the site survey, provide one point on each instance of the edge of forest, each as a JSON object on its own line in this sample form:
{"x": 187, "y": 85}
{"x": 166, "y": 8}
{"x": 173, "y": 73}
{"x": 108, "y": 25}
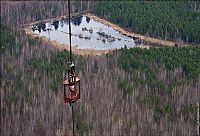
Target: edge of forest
{"x": 146, "y": 40}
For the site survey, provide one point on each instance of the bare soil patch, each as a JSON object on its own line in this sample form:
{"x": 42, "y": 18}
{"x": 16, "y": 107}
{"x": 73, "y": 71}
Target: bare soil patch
{"x": 76, "y": 50}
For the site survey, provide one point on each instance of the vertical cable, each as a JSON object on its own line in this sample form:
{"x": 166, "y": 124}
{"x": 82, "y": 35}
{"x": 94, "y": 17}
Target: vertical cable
{"x": 73, "y": 120}
{"x": 71, "y": 62}
{"x": 70, "y": 32}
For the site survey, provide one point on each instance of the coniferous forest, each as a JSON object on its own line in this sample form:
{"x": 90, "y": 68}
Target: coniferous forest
{"x": 165, "y": 19}
{"x": 133, "y": 91}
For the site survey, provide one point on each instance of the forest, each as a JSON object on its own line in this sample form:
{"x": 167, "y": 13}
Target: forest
{"x": 173, "y": 20}
{"x": 134, "y": 91}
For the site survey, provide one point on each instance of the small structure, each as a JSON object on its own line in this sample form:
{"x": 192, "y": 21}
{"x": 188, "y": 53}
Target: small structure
{"x": 111, "y": 39}
{"x": 86, "y": 29}
{"x": 108, "y": 37}
{"x": 90, "y": 30}
{"x": 87, "y": 37}
{"x": 81, "y": 36}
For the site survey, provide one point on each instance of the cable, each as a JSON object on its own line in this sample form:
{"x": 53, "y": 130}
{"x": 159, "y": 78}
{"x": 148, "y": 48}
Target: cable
{"x": 70, "y": 32}
{"x": 73, "y": 120}
{"x": 71, "y": 62}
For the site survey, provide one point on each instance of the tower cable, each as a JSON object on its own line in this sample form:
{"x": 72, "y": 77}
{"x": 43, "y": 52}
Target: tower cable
{"x": 70, "y": 40}
{"x": 71, "y": 104}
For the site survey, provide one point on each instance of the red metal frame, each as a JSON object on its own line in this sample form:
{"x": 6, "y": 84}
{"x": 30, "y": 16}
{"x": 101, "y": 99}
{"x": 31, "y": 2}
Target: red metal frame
{"x": 73, "y": 85}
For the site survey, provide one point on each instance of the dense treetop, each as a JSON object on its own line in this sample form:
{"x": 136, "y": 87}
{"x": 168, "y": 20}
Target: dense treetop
{"x": 187, "y": 58}
{"x": 165, "y": 19}
{"x": 161, "y": 72}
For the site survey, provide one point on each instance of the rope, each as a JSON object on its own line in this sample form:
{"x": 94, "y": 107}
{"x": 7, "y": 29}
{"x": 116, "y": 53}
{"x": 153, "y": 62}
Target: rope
{"x": 70, "y": 33}
{"x": 73, "y": 120}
